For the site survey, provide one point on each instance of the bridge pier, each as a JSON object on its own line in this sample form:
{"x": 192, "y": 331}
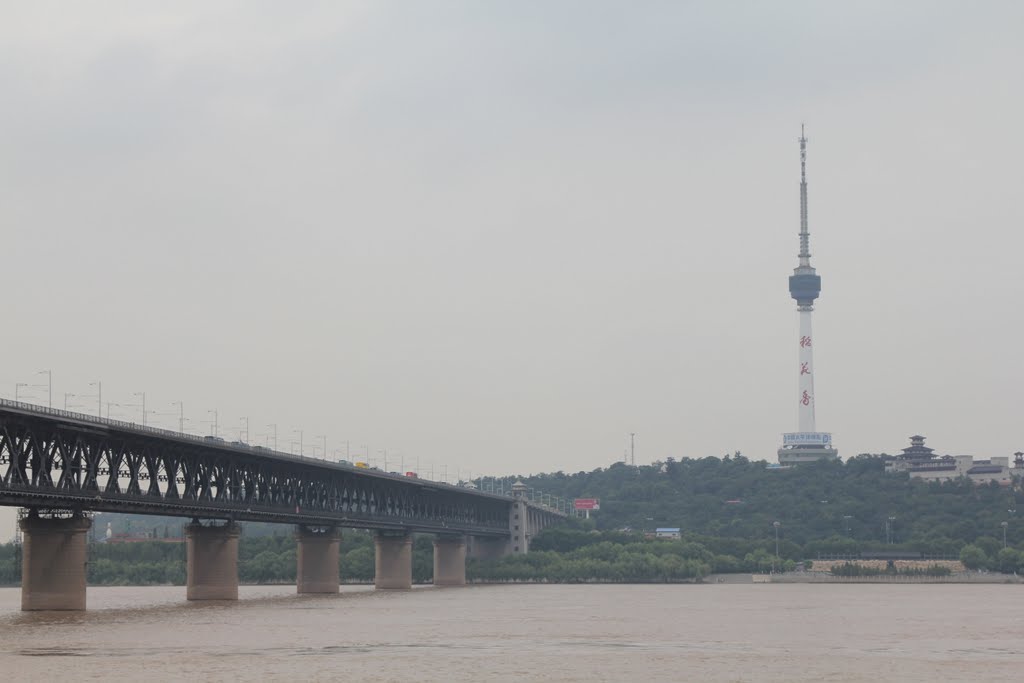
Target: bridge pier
{"x": 53, "y": 563}
{"x": 450, "y": 561}
{"x": 317, "y": 559}
{"x": 393, "y": 556}
{"x": 212, "y": 566}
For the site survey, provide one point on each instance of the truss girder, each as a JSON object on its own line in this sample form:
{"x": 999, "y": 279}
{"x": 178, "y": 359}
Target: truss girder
{"x": 47, "y": 463}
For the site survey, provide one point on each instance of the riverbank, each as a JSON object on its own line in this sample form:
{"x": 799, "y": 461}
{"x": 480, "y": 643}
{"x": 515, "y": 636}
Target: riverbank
{"x": 823, "y": 577}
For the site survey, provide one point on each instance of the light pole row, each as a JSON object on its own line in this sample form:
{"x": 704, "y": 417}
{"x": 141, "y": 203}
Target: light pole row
{"x": 145, "y": 413}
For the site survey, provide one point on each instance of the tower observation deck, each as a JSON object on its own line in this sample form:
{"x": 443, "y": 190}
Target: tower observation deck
{"x": 807, "y": 444}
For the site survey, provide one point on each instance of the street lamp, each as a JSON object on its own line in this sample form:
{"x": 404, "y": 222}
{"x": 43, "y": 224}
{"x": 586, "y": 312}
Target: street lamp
{"x": 299, "y": 432}
{"x": 246, "y": 421}
{"x": 99, "y": 397}
{"x": 890, "y": 535}
{"x": 111, "y": 403}
{"x": 324, "y": 437}
{"x": 1004, "y": 524}
{"x": 49, "y": 386}
{"x": 66, "y": 396}
{"x": 17, "y": 387}
{"x": 143, "y": 395}
{"x": 275, "y": 434}
{"x": 181, "y": 415}
{"x": 777, "y": 524}
{"x": 215, "y": 426}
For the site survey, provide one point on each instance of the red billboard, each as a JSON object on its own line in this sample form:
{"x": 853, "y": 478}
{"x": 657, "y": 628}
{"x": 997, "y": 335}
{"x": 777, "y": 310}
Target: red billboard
{"x": 587, "y": 504}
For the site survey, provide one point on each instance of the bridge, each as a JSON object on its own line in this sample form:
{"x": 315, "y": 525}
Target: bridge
{"x": 60, "y": 465}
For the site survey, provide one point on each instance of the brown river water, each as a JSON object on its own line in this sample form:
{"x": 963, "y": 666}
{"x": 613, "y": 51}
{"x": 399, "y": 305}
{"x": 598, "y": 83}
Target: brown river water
{"x": 725, "y": 632}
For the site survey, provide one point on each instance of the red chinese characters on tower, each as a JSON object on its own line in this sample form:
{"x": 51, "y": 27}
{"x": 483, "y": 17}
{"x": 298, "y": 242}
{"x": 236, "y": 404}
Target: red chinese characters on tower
{"x": 805, "y": 342}
{"x": 805, "y": 399}
{"x": 804, "y": 369}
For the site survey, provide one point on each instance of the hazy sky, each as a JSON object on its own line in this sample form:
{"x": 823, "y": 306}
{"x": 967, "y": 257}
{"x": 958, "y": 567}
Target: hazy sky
{"x": 502, "y": 236}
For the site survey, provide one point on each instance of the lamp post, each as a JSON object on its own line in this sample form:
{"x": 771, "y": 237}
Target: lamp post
{"x": 111, "y": 403}
{"x": 215, "y": 425}
{"x": 99, "y": 397}
{"x": 49, "y": 386}
{"x": 1004, "y": 524}
{"x": 246, "y": 421}
{"x": 17, "y": 387}
{"x": 890, "y": 535}
{"x": 143, "y": 395}
{"x": 299, "y": 432}
{"x": 275, "y": 434}
{"x": 776, "y": 524}
{"x": 181, "y": 415}
{"x": 324, "y": 437}
{"x": 66, "y": 397}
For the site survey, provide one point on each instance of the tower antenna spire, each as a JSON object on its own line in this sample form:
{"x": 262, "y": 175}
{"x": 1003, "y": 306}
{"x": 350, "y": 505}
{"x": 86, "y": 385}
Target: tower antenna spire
{"x": 805, "y": 237}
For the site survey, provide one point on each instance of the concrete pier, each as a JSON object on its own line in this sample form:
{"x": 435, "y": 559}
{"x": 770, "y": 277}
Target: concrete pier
{"x": 318, "y": 554}
{"x": 450, "y": 561}
{"x": 53, "y": 563}
{"x": 212, "y": 566}
{"x": 393, "y": 560}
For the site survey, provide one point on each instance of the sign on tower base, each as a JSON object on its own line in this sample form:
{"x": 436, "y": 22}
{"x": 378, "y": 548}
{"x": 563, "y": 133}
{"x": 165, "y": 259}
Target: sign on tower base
{"x": 798, "y": 447}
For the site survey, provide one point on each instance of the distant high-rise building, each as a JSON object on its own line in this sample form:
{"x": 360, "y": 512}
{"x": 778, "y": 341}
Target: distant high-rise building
{"x": 807, "y": 444}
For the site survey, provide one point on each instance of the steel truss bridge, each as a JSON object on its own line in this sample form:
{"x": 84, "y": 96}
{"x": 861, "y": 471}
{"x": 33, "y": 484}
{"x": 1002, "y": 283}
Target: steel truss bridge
{"x": 54, "y": 459}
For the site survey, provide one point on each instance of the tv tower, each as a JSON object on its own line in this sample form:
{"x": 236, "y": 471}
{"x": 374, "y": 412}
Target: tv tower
{"x": 807, "y": 444}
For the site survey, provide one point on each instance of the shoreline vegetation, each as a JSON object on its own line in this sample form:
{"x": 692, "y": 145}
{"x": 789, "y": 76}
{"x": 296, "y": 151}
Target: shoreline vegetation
{"x": 557, "y": 556}
{"x": 837, "y": 521}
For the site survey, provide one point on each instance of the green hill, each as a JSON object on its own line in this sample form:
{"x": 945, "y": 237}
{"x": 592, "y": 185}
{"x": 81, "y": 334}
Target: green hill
{"x": 821, "y": 507}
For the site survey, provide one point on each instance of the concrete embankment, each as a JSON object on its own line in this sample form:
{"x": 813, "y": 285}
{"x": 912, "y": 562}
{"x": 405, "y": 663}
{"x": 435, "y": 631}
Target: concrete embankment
{"x": 822, "y": 577}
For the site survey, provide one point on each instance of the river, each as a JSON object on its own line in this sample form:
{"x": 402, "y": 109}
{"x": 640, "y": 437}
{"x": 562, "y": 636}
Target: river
{"x": 724, "y": 632}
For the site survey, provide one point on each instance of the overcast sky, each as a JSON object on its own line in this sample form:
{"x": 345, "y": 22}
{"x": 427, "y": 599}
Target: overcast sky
{"x": 502, "y": 236}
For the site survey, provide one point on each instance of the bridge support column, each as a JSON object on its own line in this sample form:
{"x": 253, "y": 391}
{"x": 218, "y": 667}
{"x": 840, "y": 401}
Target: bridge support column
{"x": 212, "y": 565}
{"x": 393, "y": 560}
{"x": 450, "y": 561}
{"x": 53, "y": 563}
{"x": 318, "y": 553}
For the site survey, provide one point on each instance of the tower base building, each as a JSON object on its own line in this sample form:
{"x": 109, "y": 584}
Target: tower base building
{"x": 801, "y": 447}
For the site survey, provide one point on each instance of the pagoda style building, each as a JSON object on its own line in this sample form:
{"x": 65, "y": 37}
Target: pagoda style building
{"x": 922, "y": 463}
